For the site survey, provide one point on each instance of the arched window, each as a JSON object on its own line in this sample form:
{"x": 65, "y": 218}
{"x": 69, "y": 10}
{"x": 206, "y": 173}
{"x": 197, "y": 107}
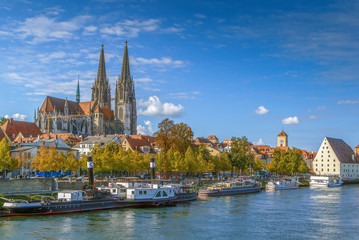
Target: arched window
{"x": 121, "y": 92}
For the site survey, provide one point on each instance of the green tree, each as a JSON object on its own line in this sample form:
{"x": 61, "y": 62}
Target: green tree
{"x": 3, "y": 120}
{"x": 190, "y": 161}
{"x": 240, "y": 155}
{"x": 303, "y": 168}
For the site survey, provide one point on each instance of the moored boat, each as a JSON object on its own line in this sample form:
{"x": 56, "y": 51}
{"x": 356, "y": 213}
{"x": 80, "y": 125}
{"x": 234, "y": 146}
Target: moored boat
{"x": 326, "y": 181}
{"x": 230, "y": 188}
{"x": 282, "y": 185}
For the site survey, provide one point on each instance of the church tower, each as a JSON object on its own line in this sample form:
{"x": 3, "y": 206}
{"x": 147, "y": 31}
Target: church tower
{"x": 282, "y": 139}
{"x": 101, "y": 92}
{"x": 78, "y": 90}
{"x": 125, "y": 99}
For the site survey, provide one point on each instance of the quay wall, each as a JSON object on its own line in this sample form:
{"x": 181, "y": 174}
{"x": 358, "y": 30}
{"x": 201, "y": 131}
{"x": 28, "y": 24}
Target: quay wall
{"x": 28, "y": 186}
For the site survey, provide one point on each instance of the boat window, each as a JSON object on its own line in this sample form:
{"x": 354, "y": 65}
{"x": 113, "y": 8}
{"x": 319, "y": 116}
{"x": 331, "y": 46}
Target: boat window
{"x": 144, "y": 192}
{"x": 164, "y": 194}
{"x": 133, "y": 192}
{"x": 140, "y": 192}
{"x": 158, "y": 194}
{"x": 114, "y": 190}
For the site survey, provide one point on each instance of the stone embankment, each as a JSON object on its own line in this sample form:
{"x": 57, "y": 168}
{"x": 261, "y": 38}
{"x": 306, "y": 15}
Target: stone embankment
{"x": 28, "y": 186}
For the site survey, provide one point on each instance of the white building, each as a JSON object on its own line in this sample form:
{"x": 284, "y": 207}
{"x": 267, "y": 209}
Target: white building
{"x": 335, "y": 157}
{"x": 86, "y": 146}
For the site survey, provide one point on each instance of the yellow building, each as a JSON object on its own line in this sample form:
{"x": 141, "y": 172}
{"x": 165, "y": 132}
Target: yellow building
{"x": 282, "y": 139}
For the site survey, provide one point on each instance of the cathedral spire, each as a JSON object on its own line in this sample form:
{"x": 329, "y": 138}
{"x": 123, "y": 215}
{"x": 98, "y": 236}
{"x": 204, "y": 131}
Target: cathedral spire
{"x": 125, "y": 72}
{"x": 101, "y": 74}
{"x": 78, "y": 90}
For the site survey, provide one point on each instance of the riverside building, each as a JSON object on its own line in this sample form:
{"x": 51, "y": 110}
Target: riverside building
{"x": 335, "y": 157}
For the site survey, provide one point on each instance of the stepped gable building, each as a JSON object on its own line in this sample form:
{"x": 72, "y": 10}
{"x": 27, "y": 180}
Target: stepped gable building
{"x": 96, "y": 116}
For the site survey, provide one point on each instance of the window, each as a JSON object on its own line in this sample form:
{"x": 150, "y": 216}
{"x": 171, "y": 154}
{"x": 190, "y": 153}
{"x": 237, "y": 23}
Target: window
{"x": 322, "y": 169}
{"x": 328, "y": 169}
{"x": 334, "y": 169}
{"x": 164, "y": 194}
{"x": 133, "y": 192}
{"x": 145, "y": 192}
{"x": 158, "y": 194}
{"x": 328, "y": 165}
{"x": 140, "y": 192}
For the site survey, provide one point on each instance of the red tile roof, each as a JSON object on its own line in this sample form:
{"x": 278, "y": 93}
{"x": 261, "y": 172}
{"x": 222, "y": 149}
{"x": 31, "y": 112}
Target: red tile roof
{"x": 12, "y": 128}
{"x": 51, "y": 103}
{"x": 282, "y": 133}
{"x": 86, "y": 106}
{"x": 212, "y": 137}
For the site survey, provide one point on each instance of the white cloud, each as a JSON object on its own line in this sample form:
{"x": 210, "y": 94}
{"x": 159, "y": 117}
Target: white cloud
{"x": 260, "y": 142}
{"x": 312, "y": 117}
{"x": 199, "y": 15}
{"x": 145, "y": 130}
{"x": 159, "y": 62}
{"x": 131, "y": 28}
{"x": 291, "y": 120}
{"x": 154, "y": 107}
{"x": 44, "y": 29}
{"x": 320, "y": 108}
{"x": 348, "y": 102}
{"x": 143, "y": 80}
{"x": 17, "y": 116}
{"x": 261, "y": 110}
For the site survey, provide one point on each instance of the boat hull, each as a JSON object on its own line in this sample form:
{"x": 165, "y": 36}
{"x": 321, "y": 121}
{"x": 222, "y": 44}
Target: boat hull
{"x": 282, "y": 188}
{"x": 80, "y": 206}
{"x": 228, "y": 192}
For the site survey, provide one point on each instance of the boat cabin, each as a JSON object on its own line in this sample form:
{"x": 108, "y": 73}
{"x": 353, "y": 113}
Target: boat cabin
{"x": 149, "y": 193}
{"x": 68, "y": 196}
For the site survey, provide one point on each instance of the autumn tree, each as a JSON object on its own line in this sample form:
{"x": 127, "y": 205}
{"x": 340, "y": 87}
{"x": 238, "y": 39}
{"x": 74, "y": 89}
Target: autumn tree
{"x": 3, "y": 120}
{"x": 71, "y": 163}
{"x": 6, "y": 160}
{"x": 41, "y": 160}
{"x": 164, "y": 134}
{"x": 182, "y": 137}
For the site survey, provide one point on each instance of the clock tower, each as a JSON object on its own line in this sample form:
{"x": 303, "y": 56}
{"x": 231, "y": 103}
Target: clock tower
{"x": 282, "y": 139}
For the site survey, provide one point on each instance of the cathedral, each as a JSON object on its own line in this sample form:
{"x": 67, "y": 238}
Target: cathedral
{"x": 95, "y": 117}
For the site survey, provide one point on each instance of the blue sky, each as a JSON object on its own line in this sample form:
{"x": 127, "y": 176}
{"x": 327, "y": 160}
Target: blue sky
{"x": 228, "y": 68}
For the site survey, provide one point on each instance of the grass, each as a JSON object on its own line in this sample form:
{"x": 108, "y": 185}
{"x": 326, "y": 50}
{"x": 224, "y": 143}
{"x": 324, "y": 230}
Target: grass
{"x": 26, "y": 197}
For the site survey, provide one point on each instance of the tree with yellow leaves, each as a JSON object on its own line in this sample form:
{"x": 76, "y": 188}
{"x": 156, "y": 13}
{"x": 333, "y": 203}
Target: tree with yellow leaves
{"x": 71, "y": 163}
{"x": 6, "y": 160}
{"x": 41, "y": 160}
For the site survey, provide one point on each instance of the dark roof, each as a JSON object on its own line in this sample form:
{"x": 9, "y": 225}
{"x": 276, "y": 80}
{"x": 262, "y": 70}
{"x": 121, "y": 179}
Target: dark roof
{"x": 342, "y": 150}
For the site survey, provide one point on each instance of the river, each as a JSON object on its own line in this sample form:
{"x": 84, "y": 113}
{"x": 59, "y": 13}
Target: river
{"x": 307, "y": 213}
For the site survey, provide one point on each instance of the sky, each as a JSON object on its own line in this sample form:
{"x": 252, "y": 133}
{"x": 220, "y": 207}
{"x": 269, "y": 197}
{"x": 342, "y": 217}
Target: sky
{"x": 226, "y": 68}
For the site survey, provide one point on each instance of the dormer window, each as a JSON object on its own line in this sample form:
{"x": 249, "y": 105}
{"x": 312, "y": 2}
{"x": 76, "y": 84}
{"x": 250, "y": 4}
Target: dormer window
{"x": 145, "y": 149}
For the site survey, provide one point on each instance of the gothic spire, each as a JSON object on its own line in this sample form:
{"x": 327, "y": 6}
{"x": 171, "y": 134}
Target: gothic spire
{"x": 101, "y": 74}
{"x": 125, "y": 72}
{"x": 78, "y": 90}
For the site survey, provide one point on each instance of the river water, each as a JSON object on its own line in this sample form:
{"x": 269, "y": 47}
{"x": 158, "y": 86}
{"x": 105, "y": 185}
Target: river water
{"x": 307, "y": 213}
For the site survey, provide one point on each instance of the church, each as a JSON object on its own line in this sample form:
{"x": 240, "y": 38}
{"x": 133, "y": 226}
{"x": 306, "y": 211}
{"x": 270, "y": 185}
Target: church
{"x": 95, "y": 117}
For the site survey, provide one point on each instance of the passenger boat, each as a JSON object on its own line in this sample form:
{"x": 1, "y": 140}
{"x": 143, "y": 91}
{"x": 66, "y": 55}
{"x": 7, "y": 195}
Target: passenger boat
{"x": 326, "y": 181}
{"x": 230, "y": 188}
{"x": 92, "y": 199}
{"x": 282, "y": 185}
{"x": 184, "y": 193}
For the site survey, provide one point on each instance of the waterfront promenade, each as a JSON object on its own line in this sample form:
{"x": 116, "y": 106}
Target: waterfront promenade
{"x": 305, "y": 213}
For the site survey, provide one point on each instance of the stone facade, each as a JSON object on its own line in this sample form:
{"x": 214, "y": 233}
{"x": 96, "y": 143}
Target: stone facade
{"x": 95, "y": 117}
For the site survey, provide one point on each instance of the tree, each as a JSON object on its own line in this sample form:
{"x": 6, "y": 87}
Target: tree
{"x": 71, "y": 163}
{"x": 6, "y": 160}
{"x": 3, "y": 120}
{"x": 56, "y": 160}
{"x": 190, "y": 161}
{"x": 182, "y": 137}
{"x": 41, "y": 160}
{"x": 240, "y": 155}
{"x": 164, "y": 134}
{"x": 258, "y": 165}
{"x": 303, "y": 168}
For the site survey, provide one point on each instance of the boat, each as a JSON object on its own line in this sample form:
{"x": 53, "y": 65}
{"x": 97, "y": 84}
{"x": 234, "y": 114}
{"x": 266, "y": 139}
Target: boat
{"x": 326, "y": 181}
{"x": 230, "y": 188}
{"x": 92, "y": 198}
{"x": 282, "y": 185}
{"x": 184, "y": 193}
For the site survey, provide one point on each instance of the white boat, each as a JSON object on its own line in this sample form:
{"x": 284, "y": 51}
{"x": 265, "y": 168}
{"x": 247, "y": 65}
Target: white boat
{"x": 326, "y": 181}
{"x": 282, "y": 185}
